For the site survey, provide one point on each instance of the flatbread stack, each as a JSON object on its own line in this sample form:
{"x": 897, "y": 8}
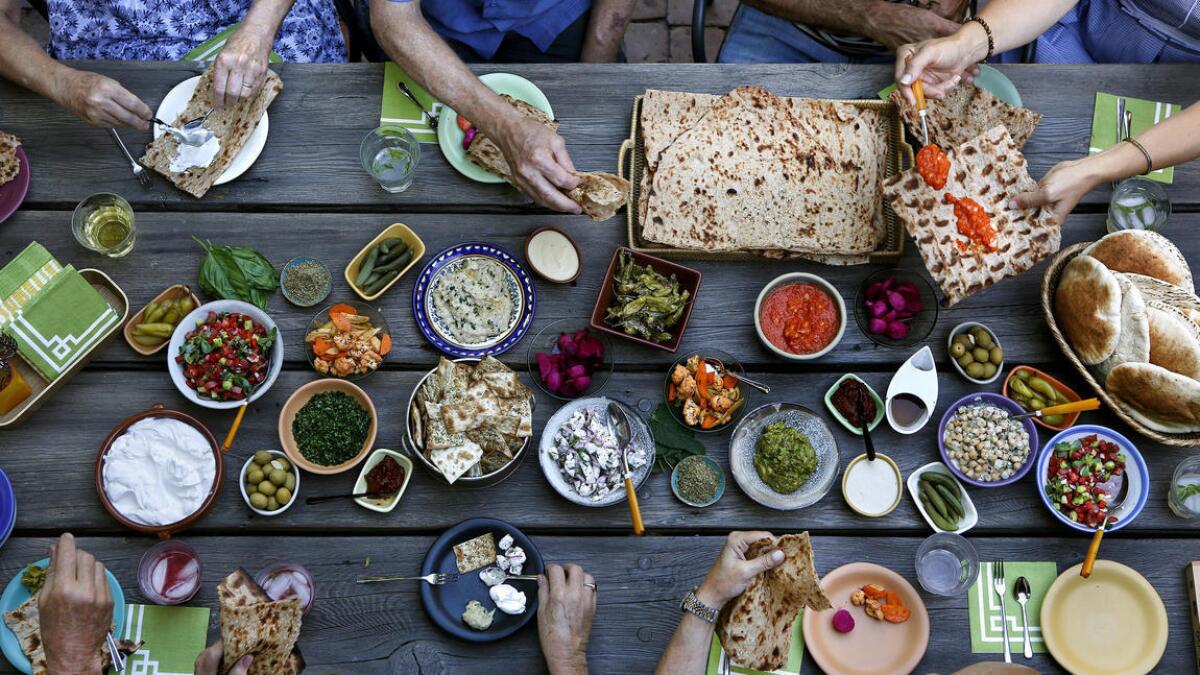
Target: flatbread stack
{"x": 25, "y": 623}
{"x": 252, "y": 623}
{"x": 966, "y": 112}
{"x": 600, "y": 195}
{"x": 471, "y": 419}
{"x": 232, "y": 124}
{"x": 10, "y": 164}
{"x": 990, "y": 170}
{"x": 751, "y": 171}
{"x": 756, "y": 628}
{"x": 1127, "y": 307}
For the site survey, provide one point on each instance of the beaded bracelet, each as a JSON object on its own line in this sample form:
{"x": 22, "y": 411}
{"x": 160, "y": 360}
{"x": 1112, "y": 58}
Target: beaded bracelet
{"x": 1145, "y": 153}
{"x": 986, "y": 29}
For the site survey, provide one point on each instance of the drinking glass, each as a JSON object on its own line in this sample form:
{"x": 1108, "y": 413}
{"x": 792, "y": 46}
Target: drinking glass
{"x": 390, "y": 154}
{"x": 103, "y": 223}
{"x": 947, "y": 564}
{"x": 1183, "y": 494}
{"x": 169, "y": 573}
{"x": 1138, "y": 204}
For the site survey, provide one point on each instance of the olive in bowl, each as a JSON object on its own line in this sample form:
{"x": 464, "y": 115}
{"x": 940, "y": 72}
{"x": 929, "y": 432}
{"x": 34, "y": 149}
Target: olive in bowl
{"x": 975, "y": 352}
{"x": 269, "y": 482}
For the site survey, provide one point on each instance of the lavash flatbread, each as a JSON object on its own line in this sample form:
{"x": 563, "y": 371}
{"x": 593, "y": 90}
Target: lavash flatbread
{"x": 989, "y": 169}
{"x": 238, "y": 590}
{"x": 10, "y": 164}
{"x": 268, "y": 630}
{"x": 25, "y": 623}
{"x": 599, "y": 194}
{"x": 966, "y": 112}
{"x": 484, "y": 151}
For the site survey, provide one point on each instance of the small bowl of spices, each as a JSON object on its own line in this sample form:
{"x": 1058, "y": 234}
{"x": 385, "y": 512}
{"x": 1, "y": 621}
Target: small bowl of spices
{"x": 385, "y": 473}
{"x": 842, "y": 401}
{"x": 305, "y": 281}
{"x": 698, "y": 481}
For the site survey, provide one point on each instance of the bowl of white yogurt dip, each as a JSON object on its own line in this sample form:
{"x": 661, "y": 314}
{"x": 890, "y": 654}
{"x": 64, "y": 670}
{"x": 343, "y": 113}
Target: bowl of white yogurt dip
{"x": 159, "y": 471}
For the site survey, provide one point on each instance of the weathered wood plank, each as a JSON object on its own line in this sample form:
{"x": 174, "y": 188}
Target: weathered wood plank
{"x": 312, "y": 157}
{"x": 383, "y": 629}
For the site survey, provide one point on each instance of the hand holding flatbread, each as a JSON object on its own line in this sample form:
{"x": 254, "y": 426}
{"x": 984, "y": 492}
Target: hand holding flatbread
{"x": 252, "y": 623}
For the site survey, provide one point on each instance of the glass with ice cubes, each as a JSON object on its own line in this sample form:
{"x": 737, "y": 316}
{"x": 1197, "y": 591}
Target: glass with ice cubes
{"x": 1138, "y": 204}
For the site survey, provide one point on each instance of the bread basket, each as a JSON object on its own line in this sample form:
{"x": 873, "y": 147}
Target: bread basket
{"x": 1049, "y": 285}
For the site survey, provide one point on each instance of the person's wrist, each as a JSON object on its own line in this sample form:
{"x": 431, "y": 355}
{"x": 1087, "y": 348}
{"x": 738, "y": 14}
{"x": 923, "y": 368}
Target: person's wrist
{"x": 60, "y": 82}
{"x": 972, "y": 42}
{"x": 569, "y": 664}
{"x": 708, "y": 594}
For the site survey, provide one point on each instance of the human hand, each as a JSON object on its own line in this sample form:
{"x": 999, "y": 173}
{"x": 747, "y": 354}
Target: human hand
{"x": 896, "y": 24}
{"x": 75, "y": 607}
{"x": 241, "y": 66}
{"x": 731, "y": 572}
{"x": 209, "y": 661}
{"x": 940, "y": 63}
{"x": 538, "y": 160}
{"x": 1060, "y": 189}
{"x": 100, "y": 101}
{"x": 566, "y": 606}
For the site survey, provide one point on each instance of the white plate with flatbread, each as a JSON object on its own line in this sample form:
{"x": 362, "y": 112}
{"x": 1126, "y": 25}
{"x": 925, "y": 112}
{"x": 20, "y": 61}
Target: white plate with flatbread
{"x": 177, "y": 99}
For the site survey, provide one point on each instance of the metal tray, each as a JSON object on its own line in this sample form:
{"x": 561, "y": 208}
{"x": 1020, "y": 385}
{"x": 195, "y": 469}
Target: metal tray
{"x": 630, "y": 164}
{"x": 42, "y": 389}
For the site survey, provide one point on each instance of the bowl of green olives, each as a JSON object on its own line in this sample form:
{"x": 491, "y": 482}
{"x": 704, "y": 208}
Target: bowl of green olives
{"x": 269, "y": 482}
{"x": 975, "y": 352}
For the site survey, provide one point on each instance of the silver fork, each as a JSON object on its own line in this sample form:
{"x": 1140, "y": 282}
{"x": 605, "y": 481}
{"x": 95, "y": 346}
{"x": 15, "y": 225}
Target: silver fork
{"x": 118, "y": 659}
{"x": 139, "y": 172}
{"x": 437, "y": 579}
{"x": 998, "y": 585}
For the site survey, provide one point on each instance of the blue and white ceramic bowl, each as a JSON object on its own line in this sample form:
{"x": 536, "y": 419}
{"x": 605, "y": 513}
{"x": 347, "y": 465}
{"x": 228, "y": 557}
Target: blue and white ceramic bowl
{"x": 1135, "y": 473}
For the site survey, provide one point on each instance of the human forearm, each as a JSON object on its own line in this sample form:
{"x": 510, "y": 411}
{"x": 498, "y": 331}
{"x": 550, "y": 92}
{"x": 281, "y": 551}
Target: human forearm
{"x": 23, "y": 61}
{"x": 687, "y": 652}
{"x": 265, "y": 17}
{"x": 1014, "y": 23}
{"x": 606, "y": 28}
{"x": 844, "y": 15}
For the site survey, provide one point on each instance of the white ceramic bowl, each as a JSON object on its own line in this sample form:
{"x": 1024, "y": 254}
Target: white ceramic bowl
{"x": 959, "y": 330}
{"x": 246, "y": 497}
{"x": 800, "y": 278}
{"x": 361, "y": 484}
{"x": 971, "y": 517}
{"x": 188, "y": 323}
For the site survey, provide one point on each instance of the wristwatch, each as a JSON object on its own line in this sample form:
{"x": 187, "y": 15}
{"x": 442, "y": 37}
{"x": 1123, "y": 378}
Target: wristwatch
{"x": 694, "y": 605}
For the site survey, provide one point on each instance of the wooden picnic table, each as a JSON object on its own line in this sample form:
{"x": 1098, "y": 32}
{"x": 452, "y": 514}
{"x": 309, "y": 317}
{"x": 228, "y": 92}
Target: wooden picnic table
{"x": 307, "y": 194}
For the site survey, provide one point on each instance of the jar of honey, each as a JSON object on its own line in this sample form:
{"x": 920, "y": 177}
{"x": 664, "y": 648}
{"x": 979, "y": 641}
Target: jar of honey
{"x": 13, "y": 388}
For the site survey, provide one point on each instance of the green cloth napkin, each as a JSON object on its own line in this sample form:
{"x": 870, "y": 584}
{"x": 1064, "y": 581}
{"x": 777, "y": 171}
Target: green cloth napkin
{"x": 987, "y": 636}
{"x": 208, "y": 50}
{"x": 23, "y": 277}
{"x": 398, "y": 109}
{"x": 61, "y": 323}
{"x": 172, "y": 638}
{"x": 795, "y": 656}
{"x": 1145, "y": 115}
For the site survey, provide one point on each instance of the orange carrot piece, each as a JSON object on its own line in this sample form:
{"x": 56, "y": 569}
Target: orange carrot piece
{"x": 341, "y": 308}
{"x": 708, "y": 422}
{"x": 874, "y": 591}
{"x": 729, "y": 382}
{"x": 385, "y": 344}
{"x": 671, "y": 393}
{"x": 893, "y": 598}
{"x": 320, "y": 346}
{"x": 896, "y": 613}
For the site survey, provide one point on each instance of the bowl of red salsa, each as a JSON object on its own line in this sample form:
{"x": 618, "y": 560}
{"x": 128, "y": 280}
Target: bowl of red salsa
{"x": 800, "y": 316}
{"x": 224, "y": 354}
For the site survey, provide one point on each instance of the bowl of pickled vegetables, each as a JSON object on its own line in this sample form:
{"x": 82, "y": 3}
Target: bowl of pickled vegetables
{"x": 1033, "y": 389}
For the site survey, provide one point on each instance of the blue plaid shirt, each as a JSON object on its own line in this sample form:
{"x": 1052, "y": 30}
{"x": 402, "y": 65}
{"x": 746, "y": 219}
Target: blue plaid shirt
{"x": 1122, "y": 31}
{"x": 483, "y": 24}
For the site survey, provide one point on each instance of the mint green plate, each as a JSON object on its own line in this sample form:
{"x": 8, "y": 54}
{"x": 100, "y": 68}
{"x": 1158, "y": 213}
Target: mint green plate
{"x": 838, "y": 416}
{"x": 989, "y": 78}
{"x": 450, "y": 137}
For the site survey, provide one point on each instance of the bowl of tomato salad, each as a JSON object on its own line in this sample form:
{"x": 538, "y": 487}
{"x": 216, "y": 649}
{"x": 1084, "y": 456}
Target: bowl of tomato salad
{"x": 799, "y": 316}
{"x": 1079, "y": 472}
{"x": 225, "y": 354}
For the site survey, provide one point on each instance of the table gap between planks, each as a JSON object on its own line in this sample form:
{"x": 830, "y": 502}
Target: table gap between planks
{"x": 307, "y": 194}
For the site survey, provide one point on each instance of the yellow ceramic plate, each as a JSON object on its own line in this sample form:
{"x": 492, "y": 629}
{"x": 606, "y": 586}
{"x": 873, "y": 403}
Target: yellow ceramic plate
{"x": 1089, "y": 624}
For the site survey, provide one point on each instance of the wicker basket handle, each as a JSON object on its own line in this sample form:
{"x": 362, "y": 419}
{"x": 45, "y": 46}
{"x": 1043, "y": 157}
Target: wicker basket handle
{"x": 622, "y": 154}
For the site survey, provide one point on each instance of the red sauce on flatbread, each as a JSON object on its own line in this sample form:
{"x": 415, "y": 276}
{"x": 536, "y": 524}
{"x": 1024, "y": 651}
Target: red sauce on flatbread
{"x": 933, "y": 165}
{"x": 973, "y": 223}
{"x": 799, "y": 318}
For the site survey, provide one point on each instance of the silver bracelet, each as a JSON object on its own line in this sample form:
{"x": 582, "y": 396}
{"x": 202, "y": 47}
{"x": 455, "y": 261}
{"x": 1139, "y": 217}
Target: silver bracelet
{"x": 695, "y": 606}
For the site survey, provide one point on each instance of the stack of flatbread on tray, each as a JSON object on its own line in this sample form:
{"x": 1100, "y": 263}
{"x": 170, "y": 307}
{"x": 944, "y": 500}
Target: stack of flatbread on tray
{"x": 232, "y": 124}
{"x": 966, "y": 112}
{"x": 756, "y": 628}
{"x": 10, "y": 164}
{"x": 989, "y": 169}
{"x": 253, "y": 623}
{"x": 25, "y": 623}
{"x": 600, "y": 195}
{"x": 753, "y": 172}
{"x": 1127, "y": 307}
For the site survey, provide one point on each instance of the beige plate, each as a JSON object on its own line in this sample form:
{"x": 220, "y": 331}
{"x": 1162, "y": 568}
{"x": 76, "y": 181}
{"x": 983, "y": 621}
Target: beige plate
{"x": 1111, "y": 622}
{"x": 873, "y": 646}
{"x": 394, "y": 230}
{"x": 174, "y": 292}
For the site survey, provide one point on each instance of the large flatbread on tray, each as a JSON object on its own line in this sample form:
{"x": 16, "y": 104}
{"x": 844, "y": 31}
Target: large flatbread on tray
{"x": 966, "y": 112}
{"x": 991, "y": 170}
{"x": 232, "y": 124}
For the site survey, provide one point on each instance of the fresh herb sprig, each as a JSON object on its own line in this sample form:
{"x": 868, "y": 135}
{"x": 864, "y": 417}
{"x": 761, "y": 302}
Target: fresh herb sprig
{"x": 672, "y": 442}
{"x": 236, "y": 273}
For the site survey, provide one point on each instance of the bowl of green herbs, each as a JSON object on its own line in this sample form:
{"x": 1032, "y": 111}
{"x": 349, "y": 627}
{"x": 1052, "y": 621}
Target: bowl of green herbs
{"x": 698, "y": 481}
{"x": 327, "y": 426}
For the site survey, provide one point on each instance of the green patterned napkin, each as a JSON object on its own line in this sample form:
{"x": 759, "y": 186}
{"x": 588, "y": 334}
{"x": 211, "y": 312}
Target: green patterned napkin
{"x": 208, "y": 50}
{"x": 23, "y": 277}
{"x": 716, "y": 656}
{"x": 172, "y": 638}
{"x": 398, "y": 109}
{"x": 987, "y": 635}
{"x": 61, "y": 323}
{"x": 1145, "y": 115}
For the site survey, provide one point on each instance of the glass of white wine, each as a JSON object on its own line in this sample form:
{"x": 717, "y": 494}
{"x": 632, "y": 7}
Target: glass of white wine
{"x": 104, "y": 223}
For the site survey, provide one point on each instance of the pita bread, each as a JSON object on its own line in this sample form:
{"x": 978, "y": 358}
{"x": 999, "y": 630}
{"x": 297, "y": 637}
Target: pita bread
{"x": 475, "y": 553}
{"x": 1174, "y": 340}
{"x": 1087, "y": 305}
{"x": 989, "y": 169}
{"x": 966, "y": 112}
{"x": 1177, "y": 298}
{"x": 10, "y": 164}
{"x": 1156, "y": 397}
{"x": 1143, "y": 252}
{"x": 600, "y": 195}
{"x": 233, "y": 125}
{"x": 484, "y": 151}
{"x": 268, "y": 630}
{"x": 1133, "y": 341}
{"x": 453, "y": 462}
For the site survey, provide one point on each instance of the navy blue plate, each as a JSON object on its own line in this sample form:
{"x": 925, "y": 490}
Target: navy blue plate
{"x": 445, "y": 603}
{"x": 426, "y": 321}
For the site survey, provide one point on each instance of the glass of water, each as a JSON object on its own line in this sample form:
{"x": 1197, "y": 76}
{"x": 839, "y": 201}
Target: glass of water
{"x": 1183, "y": 495}
{"x": 947, "y": 564}
{"x": 1138, "y": 204}
{"x": 390, "y": 154}
{"x": 104, "y": 223}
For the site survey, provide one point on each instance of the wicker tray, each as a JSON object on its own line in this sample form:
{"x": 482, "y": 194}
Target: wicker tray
{"x": 1049, "y": 285}
{"x": 630, "y": 164}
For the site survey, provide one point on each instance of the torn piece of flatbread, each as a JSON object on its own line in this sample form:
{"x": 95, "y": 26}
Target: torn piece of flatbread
{"x": 599, "y": 194}
{"x": 966, "y": 112}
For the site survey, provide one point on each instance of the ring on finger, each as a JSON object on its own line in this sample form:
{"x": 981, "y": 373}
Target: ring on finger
{"x": 591, "y": 586}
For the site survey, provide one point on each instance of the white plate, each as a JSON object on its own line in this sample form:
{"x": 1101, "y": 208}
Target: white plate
{"x": 188, "y": 323}
{"x": 972, "y": 514}
{"x": 177, "y": 99}
{"x": 640, "y": 435}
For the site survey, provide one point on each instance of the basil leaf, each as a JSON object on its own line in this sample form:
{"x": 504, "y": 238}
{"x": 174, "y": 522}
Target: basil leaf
{"x": 236, "y": 273}
{"x": 259, "y": 271}
{"x": 259, "y": 297}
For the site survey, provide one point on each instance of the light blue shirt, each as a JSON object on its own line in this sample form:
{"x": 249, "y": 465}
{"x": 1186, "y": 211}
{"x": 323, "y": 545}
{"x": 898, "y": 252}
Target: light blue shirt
{"x": 483, "y": 24}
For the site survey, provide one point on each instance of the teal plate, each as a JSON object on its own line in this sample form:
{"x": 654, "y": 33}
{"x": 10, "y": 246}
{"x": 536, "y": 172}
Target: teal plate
{"x": 450, "y": 137}
{"x": 16, "y": 593}
{"x": 989, "y": 78}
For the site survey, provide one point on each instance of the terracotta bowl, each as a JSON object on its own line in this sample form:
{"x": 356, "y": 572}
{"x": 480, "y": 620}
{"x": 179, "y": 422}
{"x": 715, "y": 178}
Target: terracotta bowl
{"x": 297, "y": 400}
{"x": 162, "y": 531}
{"x": 1069, "y": 420}
{"x": 689, "y": 280}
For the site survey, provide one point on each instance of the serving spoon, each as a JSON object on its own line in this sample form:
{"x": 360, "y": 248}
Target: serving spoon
{"x": 740, "y": 378}
{"x": 865, "y": 426}
{"x": 349, "y": 495}
{"x": 1094, "y": 549}
{"x": 1064, "y": 409}
{"x": 619, "y": 423}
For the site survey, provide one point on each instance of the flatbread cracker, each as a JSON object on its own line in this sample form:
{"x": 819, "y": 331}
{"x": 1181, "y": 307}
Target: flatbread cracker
{"x": 966, "y": 112}
{"x": 474, "y": 553}
{"x": 10, "y": 164}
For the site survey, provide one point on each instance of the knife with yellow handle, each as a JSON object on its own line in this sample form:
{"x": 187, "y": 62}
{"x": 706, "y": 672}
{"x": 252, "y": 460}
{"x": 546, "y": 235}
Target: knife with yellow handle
{"x": 1064, "y": 409}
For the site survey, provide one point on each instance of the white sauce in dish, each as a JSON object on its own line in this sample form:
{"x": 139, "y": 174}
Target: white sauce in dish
{"x": 872, "y": 487}
{"x": 187, "y": 156}
{"x": 508, "y": 599}
{"x": 159, "y": 471}
{"x": 553, "y": 255}
{"x": 473, "y": 300}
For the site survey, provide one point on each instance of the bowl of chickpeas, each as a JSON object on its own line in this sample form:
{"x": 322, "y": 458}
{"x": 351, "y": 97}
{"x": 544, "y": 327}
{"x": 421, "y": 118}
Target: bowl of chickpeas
{"x": 269, "y": 482}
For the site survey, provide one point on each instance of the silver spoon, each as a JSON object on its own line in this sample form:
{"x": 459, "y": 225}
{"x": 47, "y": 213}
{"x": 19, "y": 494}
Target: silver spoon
{"x": 740, "y": 378}
{"x": 192, "y": 133}
{"x": 619, "y": 423}
{"x": 1023, "y": 593}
